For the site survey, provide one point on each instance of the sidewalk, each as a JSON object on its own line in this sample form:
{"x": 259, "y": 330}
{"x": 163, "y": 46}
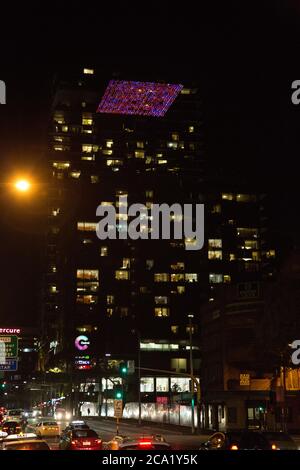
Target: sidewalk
{"x": 184, "y": 430}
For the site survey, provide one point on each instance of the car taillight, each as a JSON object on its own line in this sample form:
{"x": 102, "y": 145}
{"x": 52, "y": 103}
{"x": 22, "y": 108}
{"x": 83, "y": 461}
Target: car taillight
{"x": 234, "y": 447}
{"x": 274, "y": 447}
{"x": 98, "y": 441}
{"x": 145, "y": 444}
{"x": 74, "y": 443}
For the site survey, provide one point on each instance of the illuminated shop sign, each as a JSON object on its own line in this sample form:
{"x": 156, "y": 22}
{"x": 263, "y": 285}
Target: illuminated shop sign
{"x": 82, "y": 342}
{"x": 10, "y": 331}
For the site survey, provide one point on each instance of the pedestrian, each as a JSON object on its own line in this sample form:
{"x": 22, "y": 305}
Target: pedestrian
{"x": 88, "y": 410}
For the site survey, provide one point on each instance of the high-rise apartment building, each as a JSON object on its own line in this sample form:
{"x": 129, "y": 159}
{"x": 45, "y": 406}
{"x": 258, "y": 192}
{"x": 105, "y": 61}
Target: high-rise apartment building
{"x": 123, "y": 299}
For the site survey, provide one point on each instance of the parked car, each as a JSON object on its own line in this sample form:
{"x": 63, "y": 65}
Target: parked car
{"x": 153, "y": 442}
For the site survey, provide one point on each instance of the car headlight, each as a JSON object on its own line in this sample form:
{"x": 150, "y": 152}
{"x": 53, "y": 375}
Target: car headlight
{"x": 68, "y": 415}
{"x": 59, "y": 415}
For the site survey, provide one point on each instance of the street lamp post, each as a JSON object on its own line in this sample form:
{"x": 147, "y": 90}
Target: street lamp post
{"x": 138, "y": 334}
{"x": 190, "y": 317}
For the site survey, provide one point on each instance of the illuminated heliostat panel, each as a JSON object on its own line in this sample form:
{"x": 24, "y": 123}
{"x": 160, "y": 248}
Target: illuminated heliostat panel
{"x": 141, "y": 98}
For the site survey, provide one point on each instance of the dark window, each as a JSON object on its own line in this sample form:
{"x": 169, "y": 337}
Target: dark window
{"x": 232, "y": 414}
{"x": 84, "y": 433}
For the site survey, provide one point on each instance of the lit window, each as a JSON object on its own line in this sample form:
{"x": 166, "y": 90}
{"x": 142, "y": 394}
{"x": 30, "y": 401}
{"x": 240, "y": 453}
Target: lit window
{"x": 109, "y": 143}
{"x": 191, "y": 277}
{"x": 162, "y": 312}
{"x": 256, "y": 255}
{"x": 228, "y": 196}
{"x": 250, "y": 245}
{"x": 175, "y": 329}
{"x": 87, "y": 119}
{"x": 122, "y": 275}
{"x": 162, "y": 162}
{"x": 107, "y": 152}
{"x": 61, "y": 165}
{"x": 87, "y": 299}
{"x": 247, "y": 232}
{"x": 216, "y": 209}
{"x": 53, "y": 289}
{"x": 88, "y": 274}
{"x": 109, "y": 312}
{"x": 149, "y": 193}
{"x": 94, "y": 179}
{"x": 232, "y": 257}
{"x": 55, "y": 212}
{"x": 114, "y": 163}
{"x": 191, "y": 129}
{"x": 88, "y": 71}
{"x": 64, "y": 128}
{"x": 126, "y": 263}
{"x": 177, "y": 277}
{"x": 270, "y": 254}
{"x": 216, "y": 254}
{"x": 86, "y": 226}
{"x": 59, "y": 117}
{"x": 110, "y": 299}
{"x": 161, "y": 277}
{"x": 88, "y": 157}
{"x": 190, "y": 242}
{"x": 87, "y": 148}
{"x": 215, "y": 278}
{"x": 181, "y": 289}
{"x": 53, "y": 269}
{"x": 175, "y": 136}
{"x": 162, "y": 384}
{"x": 147, "y": 384}
{"x": 186, "y": 91}
{"x": 139, "y": 154}
{"x": 140, "y": 145}
{"x": 215, "y": 243}
{"x": 172, "y": 145}
{"x": 87, "y": 280}
{"x": 103, "y": 251}
{"x": 179, "y": 266}
{"x": 75, "y": 174}
{"x": 161, "y": 300}
{"x": 226, "y": 278}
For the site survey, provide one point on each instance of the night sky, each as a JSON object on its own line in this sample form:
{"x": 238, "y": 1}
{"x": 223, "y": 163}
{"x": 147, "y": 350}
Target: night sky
{"x": 245, "y": 61}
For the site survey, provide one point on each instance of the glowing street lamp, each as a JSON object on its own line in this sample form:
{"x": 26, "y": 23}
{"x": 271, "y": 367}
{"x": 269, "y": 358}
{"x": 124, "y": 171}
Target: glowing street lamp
{"x": 22, "y": 185}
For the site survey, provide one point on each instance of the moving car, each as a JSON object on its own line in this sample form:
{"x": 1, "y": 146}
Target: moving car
{"x": 15, "y": 414}
{"x": 77, "y": 424}
{"x": 80, "y": 439}
{"x": 249, "y": 440}
{"x": 11, "y": 427}
{"x": 47, "y": 428}
{"x": 62, "y": 414}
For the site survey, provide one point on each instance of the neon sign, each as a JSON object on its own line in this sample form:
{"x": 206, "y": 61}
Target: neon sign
{"x": 82, "y": 342}
{"x": 10, "y": 331}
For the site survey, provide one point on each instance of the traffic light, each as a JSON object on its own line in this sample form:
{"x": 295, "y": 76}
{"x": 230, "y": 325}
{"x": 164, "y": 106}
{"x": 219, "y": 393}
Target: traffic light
{"x": 3, "y": 385}
{"x": 123, "y": 369}
{"x": 118, "y": 392}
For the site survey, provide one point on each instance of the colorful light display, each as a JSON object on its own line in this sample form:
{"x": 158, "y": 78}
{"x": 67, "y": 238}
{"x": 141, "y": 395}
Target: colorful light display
{"x": 141, "y": 98}
{"x": 82, "y": 342}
